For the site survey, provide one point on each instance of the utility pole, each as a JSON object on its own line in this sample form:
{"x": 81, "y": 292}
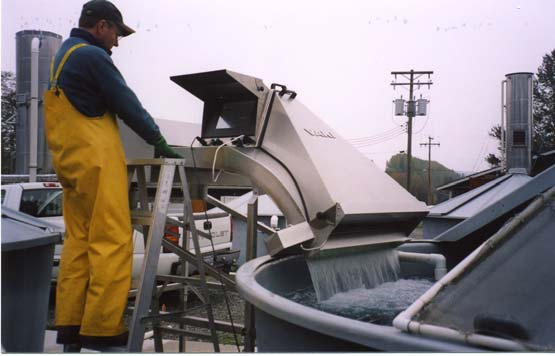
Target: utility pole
{"x": 411, "y": 76}
{"x": 430, "y": 144}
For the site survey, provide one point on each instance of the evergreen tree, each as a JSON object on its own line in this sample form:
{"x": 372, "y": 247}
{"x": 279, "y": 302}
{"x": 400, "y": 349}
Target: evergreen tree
{"x": 9, "y": 111}
{"x": 544, "y": 105}
{"x": 396, "y": 168}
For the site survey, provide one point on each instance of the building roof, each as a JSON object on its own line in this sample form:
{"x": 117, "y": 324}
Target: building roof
{"x": 500, "y": 207}
{"x": 472, "y": 202}
{"x": 496, "y": 171}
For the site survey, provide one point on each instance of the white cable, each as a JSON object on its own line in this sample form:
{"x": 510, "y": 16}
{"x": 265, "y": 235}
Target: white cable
{"x": 214, "y": 179}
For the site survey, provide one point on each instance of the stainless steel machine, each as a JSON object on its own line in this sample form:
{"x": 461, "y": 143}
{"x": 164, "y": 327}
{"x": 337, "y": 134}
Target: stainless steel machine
{"x": 332, "y": 196}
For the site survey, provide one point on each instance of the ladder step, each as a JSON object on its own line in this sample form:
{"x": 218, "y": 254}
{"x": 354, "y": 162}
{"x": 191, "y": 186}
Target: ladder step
{"x": 139, "y": 217}
{"x": 175, "y": 316}
{"x": 170, "y": 287}
{"x": 220, "y": 325}
{"x": 209, "y": 269}
{"x": 182, "y": 332}
{"x": 187, "y": 280}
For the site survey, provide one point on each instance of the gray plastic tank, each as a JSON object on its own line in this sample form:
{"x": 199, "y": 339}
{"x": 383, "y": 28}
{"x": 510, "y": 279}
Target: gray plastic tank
{"x": 27, "y": 255}
{"x": 283, "y": 325}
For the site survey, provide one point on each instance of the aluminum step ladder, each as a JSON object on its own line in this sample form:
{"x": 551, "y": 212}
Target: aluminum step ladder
{"x": 153, "y": 217}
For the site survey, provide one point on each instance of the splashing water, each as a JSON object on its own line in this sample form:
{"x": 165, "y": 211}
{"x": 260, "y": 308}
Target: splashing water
{"x": 379, "y": 305}
{"x": 341, "y": 273}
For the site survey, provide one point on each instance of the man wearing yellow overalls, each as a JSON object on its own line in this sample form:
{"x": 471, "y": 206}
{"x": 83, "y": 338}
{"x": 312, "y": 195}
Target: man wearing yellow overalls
{"x": 86, "y": 93}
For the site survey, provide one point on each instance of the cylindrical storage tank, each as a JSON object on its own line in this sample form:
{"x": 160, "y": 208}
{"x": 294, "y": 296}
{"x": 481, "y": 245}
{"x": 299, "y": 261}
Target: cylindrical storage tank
{"x": 518, "y": 143}
{"x": 49, "y": 44}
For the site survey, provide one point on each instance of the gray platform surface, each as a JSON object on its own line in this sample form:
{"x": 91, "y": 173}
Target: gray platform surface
{"x": 50, "y": 346}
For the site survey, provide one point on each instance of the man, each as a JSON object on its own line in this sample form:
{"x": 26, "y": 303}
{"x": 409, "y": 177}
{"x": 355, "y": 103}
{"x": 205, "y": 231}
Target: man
{"x": 86, "y": 93}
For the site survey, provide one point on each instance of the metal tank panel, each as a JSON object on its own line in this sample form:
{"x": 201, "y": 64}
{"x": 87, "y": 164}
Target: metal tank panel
{"x": 340, "y": 172}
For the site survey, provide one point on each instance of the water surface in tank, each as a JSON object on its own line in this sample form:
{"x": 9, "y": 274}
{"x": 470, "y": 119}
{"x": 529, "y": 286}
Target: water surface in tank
{"x": 379, "y": 305}
{"x": 344, "y": 270}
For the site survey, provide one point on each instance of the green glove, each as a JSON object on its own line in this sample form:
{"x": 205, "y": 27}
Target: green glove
{"x": 161, "y": 149}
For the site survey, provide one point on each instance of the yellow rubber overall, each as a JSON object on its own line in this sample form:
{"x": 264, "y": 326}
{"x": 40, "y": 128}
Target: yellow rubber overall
{"x": 95, "y": 267}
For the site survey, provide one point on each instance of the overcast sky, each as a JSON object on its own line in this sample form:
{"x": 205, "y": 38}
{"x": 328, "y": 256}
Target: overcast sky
{"x": 337, "y": 55}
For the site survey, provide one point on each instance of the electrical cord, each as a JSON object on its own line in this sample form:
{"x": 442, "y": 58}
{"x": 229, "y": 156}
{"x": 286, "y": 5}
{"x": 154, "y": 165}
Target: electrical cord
{"x": 226, "y": 298}
{"x": 215, "y": 179}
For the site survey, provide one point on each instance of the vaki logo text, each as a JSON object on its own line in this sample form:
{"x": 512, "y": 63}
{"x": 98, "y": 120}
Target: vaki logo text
{"x": 320, "y": 133}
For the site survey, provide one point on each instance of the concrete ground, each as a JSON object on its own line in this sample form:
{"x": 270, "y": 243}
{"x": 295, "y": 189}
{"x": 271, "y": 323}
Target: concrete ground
{"x": 50, "y": 346}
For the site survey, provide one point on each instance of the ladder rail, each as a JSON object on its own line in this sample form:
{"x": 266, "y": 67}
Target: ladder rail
{"x": 200, "y": 260}
{"x": 146, "y": 307}
{"x": 150, "y": 262}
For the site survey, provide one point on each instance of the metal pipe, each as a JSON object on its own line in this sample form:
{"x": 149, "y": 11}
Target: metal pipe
{"x": 434, "y": 259}
{"x": 252, "y": 232}
{"x": 403, "y": 320}
{"x": 34, "y": 110}
{"x": 260, "y": 226}
{"x": 502, "y": 132}
{"x": 530, "y": 122}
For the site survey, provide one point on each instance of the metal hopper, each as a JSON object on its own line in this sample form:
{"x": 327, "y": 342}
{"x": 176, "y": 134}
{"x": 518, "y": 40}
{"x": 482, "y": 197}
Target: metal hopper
{"x": 331, "y": 195}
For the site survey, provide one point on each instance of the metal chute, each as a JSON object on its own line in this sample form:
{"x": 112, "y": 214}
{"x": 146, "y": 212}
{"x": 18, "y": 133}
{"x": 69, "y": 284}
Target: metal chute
{"x": 332, "y": 196}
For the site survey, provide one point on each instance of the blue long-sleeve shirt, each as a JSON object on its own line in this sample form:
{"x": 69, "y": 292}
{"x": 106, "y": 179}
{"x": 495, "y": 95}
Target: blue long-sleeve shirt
{"x": 94, "y": 85}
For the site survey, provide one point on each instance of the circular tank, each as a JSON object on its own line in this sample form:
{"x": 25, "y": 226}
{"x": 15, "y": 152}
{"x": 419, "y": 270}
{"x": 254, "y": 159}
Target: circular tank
{"x": 49, "y": 44}
{"x": 286, "y": 326}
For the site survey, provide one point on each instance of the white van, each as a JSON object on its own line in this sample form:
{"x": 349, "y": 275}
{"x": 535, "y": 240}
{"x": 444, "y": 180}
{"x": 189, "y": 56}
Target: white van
{"x": 44, "y": 201}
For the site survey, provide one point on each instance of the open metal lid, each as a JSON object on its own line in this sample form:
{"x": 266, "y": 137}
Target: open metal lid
{"x": 222, "y": 84}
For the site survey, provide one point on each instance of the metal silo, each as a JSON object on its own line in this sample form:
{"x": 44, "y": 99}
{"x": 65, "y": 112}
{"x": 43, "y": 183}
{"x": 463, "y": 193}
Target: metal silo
{"x": 517, "y": 102}
{"x": 49, "y": 43}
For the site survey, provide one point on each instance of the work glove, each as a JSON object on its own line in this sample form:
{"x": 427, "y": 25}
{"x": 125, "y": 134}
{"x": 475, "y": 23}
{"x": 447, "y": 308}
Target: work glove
{"x": 161, "y": 149}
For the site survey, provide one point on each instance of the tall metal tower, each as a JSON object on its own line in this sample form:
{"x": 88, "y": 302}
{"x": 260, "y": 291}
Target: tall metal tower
{"x": 413, "y": 107}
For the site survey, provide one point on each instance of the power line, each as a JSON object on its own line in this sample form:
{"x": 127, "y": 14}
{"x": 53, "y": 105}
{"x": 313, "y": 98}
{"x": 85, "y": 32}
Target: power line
{"x": 357, "y": 139}
{"x": 380, "y": 139}
{"x": 411, "y": 76}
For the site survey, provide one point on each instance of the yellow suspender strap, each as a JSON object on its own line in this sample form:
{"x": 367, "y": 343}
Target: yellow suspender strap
{"x": 52, "y": 69}
{"x": 54, "y": 79}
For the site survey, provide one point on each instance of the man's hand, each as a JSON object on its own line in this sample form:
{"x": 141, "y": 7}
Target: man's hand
{"x": 161, "y": 149}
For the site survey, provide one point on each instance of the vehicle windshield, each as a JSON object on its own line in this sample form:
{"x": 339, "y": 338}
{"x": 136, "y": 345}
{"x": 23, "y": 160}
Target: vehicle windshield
{"x": 42, "y": 203}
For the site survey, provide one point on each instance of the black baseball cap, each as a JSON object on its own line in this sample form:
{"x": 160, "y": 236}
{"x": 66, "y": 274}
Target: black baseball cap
{"x": 103, "y": 9}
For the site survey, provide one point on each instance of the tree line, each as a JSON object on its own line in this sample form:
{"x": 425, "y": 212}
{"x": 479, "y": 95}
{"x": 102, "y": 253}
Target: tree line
{"x": 396, "y": 167}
